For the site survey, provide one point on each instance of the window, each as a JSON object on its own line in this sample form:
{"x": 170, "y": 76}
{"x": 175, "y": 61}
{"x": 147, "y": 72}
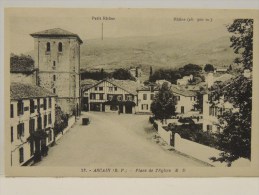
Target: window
{"x": 11, "y": 111}
{"x": 110, "y": 97}
{"x": 11, "y": 134}
{"x": 32, "y": 148}
{"x": 110, "y": 88}
{"x": 21, "y": 155}
{"x": 92, "y": 96}
{"x": 20, "y": 108}
{"x": 38, "y": 104}
{"x": 209, "y": 128}
{"x": 54, "y": 90}
{"x": 100, "y": 88}
{"x": 144, "y": 106}
{"x": 48, "y": 47}
{"x": 45, "y": 121}
{"x": 144, "y": 96}
{"x": 50, "y": 136}
{"x": 115, "y": 88}
{"x": 96, "y": 88}
{"x": 39, "y": 123}
{"x": 129, "y": 98}
{"x": 54, "y": 77}
{"x": 20, "y": 130}
{"x": 101, "y": 96}
{"x": 178, "y": 98}
{"x": 45, "y": 104}
{"x": 152, "y": 96}
{"x": 32, "y": 107}
{"x": 60, "y": 47}
{"x": 50, "y": 102}
{"x": 54, "y": 63}
{"x": 32, "y": 125}
{"x": 49, "y": 119}
{"x": 119, "y": 98}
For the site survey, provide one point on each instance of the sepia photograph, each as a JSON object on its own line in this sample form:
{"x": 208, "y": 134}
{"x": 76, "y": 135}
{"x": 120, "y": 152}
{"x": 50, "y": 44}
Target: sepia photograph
{"x": 130, "y": 92}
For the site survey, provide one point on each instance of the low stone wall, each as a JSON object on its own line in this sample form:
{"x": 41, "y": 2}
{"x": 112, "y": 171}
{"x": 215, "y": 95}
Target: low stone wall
{"x": 71, "y": 121}
{"x": 165, "y": 135}
{"x": 203, "y": 153}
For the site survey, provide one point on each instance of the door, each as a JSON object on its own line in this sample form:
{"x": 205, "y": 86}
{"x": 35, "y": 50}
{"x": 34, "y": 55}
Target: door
{"x": 128, "y": 109}
{"x": 182, "y": 109}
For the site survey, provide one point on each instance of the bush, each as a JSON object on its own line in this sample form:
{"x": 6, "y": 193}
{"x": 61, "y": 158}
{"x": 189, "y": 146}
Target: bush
{"x": 151, "y": 119}
{"x": 155, "y": 126}
{"x": 61, "y": 121}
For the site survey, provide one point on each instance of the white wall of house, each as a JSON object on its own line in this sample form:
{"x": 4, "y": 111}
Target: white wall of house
{"x": 104, "y": 92}
{"x": 145, "y": 98}
{"x": 184, "y": 103}
{"x": 18, "y": 140}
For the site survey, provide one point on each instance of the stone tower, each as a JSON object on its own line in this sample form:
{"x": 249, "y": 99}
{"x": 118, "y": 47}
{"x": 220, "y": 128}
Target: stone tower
{"x": 57, "y": 58}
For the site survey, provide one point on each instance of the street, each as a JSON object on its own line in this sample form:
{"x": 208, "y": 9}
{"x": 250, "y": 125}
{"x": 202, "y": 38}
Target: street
{"x": 112, "y": 140}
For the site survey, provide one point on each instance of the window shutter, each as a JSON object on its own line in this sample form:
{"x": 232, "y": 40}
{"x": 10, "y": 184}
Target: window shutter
{"x": 18, "y": 133}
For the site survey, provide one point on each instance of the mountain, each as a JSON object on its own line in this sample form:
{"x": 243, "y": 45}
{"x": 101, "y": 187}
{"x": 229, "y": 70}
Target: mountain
{"x": 157, "y": 51}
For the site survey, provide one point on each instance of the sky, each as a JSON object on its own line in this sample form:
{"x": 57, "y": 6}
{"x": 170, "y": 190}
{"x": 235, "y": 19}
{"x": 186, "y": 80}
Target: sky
{"x": 20, "y": 23}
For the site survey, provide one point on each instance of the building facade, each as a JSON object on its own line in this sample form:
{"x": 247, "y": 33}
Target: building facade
{"x": 111, "y": 96}
{"x": 32, "y": 110}
{"x": 146, "y": 95}
{"x": 186, "y": 99}
{"x": 57, "y": 58}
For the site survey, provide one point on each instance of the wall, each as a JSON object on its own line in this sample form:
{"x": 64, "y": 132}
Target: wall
{"x": 165, "y": 135}
{"x": 25, "y": 119}
{"x": 148, "y": 101}
{"x": 186, "y": 102}
{"x": 23, "y": 78}
{"x": 203, "y": 152}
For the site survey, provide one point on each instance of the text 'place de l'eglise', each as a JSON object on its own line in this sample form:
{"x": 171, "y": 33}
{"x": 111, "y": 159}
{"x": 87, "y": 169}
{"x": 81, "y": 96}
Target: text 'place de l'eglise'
{"x": 50, "y": 95}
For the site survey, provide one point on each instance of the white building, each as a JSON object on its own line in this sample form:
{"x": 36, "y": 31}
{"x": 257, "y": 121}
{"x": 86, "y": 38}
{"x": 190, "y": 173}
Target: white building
{"x": 32, "y": 108}
{"x": 146, "y": 95}
{"x": 111, "y": 96}
{"x": 185, "y": 99}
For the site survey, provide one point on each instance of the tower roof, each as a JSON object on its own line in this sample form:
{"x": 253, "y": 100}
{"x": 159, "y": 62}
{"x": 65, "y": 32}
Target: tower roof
{"x": 56, "y": 32}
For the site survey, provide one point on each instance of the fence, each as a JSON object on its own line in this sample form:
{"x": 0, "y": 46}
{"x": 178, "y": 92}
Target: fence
{"x": 203, "y": 153}
{"x": 165, "y": 135}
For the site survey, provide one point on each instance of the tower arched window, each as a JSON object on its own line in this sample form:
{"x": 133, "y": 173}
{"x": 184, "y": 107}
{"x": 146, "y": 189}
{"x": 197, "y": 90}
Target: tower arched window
{"x": 60, "y": 47}
{"x": 48, "y": 47}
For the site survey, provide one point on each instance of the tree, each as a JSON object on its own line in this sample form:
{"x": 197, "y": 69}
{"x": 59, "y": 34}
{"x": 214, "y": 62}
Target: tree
{"x": 235, "y": 139}
{"x": 198, "y": 105}
{"x": 163, "y": 106}
{"x": 151, "y": 71}
{"x": 209, "y": 68}
{"x": 122, "y": 74}
{"x": 192, "y": 68}
{"x": 242, "y": 41}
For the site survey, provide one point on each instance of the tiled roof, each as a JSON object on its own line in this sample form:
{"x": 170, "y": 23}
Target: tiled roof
{"x": 87, "y": 83}
{"x": 25, "y": 91}
{"x": 56, "y": 32}
{"x": 147, "y": 87}
{"x": 127, "y": 85}
{"x": 182, "y": 91}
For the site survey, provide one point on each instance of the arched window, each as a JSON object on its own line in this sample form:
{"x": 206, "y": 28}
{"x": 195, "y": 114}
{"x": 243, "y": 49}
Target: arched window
{"x": 48, "y": 47}
{"x": 60, "y": 47}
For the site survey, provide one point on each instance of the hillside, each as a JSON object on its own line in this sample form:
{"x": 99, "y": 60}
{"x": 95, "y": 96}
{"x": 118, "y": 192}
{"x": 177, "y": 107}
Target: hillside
{"x": 164, "y": 52}
{"x": 157, "y": 51}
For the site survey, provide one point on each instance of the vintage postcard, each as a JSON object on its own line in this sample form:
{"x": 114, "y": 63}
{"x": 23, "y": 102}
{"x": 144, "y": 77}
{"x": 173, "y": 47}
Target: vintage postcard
{"x": 131, "y": 92}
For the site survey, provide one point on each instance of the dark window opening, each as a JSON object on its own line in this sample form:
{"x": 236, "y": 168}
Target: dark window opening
{"x": 20, "y": 130}
{"x": 21, "y": 155}
{"x": 11, "y": 111}
{"x": 54, "y": 77}
{"x": 60, "y": 48}
{"x": 11, "y": 134}
{"x": 48, "y": 47}
{"x": 54, "y": 63}
{"x": 32, "y": 107}
{"x": 20, "y": 108}
{"x": 45, "y": 104}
